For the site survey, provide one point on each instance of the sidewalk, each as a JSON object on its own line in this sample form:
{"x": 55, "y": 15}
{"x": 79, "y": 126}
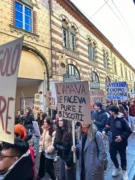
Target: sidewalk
{"x": 130, "y": 162}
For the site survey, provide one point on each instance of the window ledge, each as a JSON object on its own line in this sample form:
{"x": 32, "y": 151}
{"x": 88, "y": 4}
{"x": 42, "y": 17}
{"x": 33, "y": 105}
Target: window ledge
{"x": 94, "y": 63}
{"x": 70, "y": 52}
{"x": 23, "y": 32}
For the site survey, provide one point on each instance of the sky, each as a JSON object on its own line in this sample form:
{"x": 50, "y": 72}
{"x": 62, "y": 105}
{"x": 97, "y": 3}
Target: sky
{"x": 115, "y": 20}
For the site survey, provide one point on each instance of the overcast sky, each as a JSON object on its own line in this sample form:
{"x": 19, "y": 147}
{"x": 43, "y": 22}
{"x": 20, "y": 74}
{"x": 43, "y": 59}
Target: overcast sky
{"x": 115, "y": 20}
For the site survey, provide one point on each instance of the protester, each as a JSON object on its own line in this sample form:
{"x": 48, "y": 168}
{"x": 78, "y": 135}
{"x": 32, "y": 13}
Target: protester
{"x": 132, "y": 115}
{"x": 100, "y": 118}
{"x": 28, "y": 119}
{"x": 123, "y": 111}
{"x": 48, "y": 151}
{"x": 63, "y": 144}
{"x": 119, "y": 133}
{"x": 21, "y": 133}
{"x": 15, "y": 161}
{"x": 40, "y": 121}
{"x": 92, "y": 153}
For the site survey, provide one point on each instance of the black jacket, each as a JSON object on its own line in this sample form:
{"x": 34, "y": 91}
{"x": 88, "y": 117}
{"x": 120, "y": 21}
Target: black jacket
{"x": 23, "y": 170}
{"x": 118, "y": 127}
{"x": 101, "y": 120}
{"x": 64, "y": 151}
{"x": 28, "y": 121}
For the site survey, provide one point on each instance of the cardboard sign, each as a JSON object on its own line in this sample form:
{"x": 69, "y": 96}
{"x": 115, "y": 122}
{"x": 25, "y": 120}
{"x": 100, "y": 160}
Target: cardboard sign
{"x": 36, "y": 105}
{"x": 116, "y": 91}
{"x": 97, "y": 96}
{"x": 9, "y": 63}
{"x": 36, "y": 128}
{"x": 73, "y": 101}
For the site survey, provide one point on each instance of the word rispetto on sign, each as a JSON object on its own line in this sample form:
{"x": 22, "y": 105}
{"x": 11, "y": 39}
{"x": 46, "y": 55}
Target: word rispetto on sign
{"x": 73, "y": 101}
{"x": 116, "y": 90}
{"x": 9, "y": 63}
{"x": 97, "y": 96}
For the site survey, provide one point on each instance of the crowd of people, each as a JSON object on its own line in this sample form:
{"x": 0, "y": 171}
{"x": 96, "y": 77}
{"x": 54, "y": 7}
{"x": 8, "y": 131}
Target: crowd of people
{"x": 110, "y": 125}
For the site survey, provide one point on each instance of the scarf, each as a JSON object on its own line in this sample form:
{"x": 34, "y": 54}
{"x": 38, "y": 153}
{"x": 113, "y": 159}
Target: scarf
{"x": 85, "y": 130}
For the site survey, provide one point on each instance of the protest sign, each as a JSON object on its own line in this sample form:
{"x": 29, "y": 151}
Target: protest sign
{"x": 36, "y": 105}
{"x": 36, "y": 128}
{"x": 116, "y": 91}
{"x": 97, "y": 96}
{"x": 9, "y": 63}
{"x": 73, "y": 101}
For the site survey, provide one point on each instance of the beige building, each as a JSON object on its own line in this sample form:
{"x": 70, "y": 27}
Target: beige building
{"x": 60, "y": 44}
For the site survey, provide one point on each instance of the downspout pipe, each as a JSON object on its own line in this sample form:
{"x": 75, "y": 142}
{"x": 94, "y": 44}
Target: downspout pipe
{"x": 50, "y": 12}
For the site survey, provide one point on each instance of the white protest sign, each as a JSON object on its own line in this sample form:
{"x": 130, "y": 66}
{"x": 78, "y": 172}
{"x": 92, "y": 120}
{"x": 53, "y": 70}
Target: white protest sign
{"x": 53, "y": 96}
{"x": 97, "y": 96}
{"x": 116, "y": 91}
{"x": 36, "y": 105}
{"x": 36, "y": 128}
{"x": 9, "y": 63}
{"x": 73, "y": 101}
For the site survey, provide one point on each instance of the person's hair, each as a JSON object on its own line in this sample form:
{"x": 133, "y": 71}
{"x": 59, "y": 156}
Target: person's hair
{"x": 49, "y": 121}
{"x": 121, "y": 109}
{"x": 92, "y": 129}
{"x": 30, "y": 110}
{"x": 99, "y": 105}
{"x": 17, "y": 119}
{"x": 44, "y": 115}
{"x": 114, "y": 109}
{"x": 64, "y": 133}
{"x": 19, "y": 147}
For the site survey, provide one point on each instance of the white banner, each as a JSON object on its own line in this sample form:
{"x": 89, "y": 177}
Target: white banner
{"x": 116, "y": 91}
{"x": 73, "y": 101}
{"x": 9, "y": 63}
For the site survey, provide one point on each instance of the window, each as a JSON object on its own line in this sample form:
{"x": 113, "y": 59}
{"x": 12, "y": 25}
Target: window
{"x": 69, "y": 36}
{"x": 105, "y": 59}
{"x": 115, "y": 67}
{"x": 23, "y": 17}
{"x": 91, "y": 52}
{"x": 72, "y": 39}
{"x": 126, "y": 73}
{"x": 94, "y": 81}
{"x": 94, "y": 77}
{"x": 72, "y": 74}
{"x": 121, "y": 70}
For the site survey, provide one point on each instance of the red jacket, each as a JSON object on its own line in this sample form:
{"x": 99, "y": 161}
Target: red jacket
{"x": 132, "y": 110}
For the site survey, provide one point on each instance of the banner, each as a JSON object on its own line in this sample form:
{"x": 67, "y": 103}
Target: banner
{"x": 73, "y": 101}
{"x": 97, "y": 96}
{"x": 36, "y": 105}
{"x": 9, "y": 64}
{"x": 116, "y": 91}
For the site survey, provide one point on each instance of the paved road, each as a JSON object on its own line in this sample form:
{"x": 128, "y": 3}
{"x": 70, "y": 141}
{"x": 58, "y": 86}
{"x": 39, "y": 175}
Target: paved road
{"x": 108, "y": 176}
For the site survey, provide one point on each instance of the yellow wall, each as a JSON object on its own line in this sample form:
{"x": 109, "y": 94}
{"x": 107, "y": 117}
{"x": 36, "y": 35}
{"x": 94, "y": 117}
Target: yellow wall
{"x": 31, "y": 66}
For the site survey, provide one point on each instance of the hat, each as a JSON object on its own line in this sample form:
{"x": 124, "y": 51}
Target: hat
{"x": 19, "y": 129}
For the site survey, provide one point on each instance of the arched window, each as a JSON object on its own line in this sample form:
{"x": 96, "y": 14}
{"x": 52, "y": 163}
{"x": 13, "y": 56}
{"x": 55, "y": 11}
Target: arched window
{"x": 105, "y": 59}
{"x": 115, "y": 66}
{"x": 108, "y": 79}
{"x": 94, "y": 81}
{"x": 72, "y": 74}
{"x": 91, "y": 52}
{"x": 65, "y": 34}
{"x": 72, "y": 39}
{"x": 121, "y": 68}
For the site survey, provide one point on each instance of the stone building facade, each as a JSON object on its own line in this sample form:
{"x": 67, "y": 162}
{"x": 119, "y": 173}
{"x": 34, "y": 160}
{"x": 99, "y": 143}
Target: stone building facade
{"x": 60, "y": 44}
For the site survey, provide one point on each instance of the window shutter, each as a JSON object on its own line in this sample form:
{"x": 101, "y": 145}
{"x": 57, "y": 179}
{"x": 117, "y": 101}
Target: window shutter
{"x": 34, "y": 22}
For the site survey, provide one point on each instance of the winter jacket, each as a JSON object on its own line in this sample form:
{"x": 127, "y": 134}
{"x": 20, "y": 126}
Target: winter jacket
{"x": 94, "y": 156}
{"x": 118, "y": 127}
{"x": 47, "y": 144}
{"x": 101, "y": 119}
{"x": 28, "y": 121}
{"x": 21, "y": 170}
{"x": 64, "y": 151}
{"x": 132, "y": 110}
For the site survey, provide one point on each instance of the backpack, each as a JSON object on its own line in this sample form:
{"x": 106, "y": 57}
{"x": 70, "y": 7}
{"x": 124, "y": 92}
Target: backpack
{"x": 105, "y": 161}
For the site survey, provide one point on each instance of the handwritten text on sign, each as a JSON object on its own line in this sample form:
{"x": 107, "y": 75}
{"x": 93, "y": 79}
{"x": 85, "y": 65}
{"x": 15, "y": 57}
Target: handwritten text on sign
{"x": 116, "y": 90}
{"x": 97, "y": 96}
{"x": 9, "y": 63}
{"x": 73, "y": 101}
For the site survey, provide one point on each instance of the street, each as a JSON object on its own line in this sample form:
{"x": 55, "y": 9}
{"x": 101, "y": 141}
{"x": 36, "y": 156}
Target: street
{"x": 108, "y": 172}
